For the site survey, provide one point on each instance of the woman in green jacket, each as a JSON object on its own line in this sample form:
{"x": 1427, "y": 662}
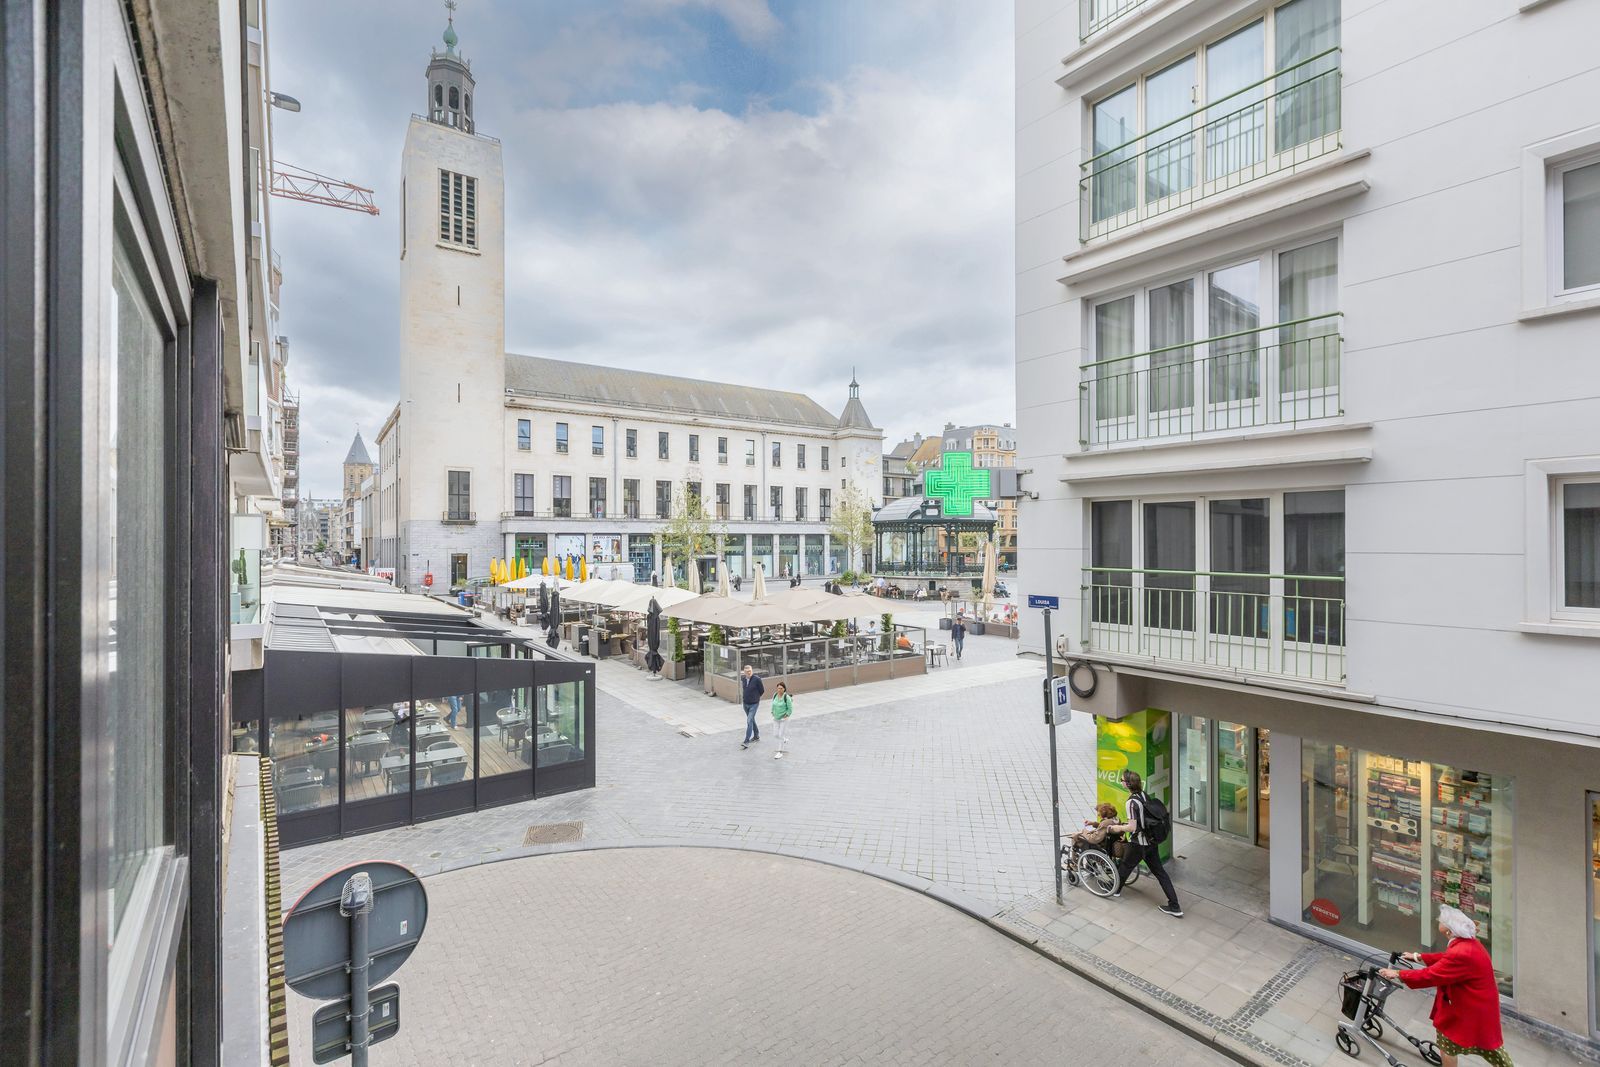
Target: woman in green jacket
{"x": 782, "y": 708}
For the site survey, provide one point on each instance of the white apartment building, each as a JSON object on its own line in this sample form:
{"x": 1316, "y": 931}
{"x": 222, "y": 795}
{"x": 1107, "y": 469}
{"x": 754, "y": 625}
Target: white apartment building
{"x": 490, "y": 454}
{"x": 1308, "y": 307}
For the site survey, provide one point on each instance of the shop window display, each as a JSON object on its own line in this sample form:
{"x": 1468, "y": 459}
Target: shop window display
{"x": 1390, "y": 839}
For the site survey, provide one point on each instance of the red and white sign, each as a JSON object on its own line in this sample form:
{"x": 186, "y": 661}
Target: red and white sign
{"x": 427, "y": 579}
{"x": 1325, "y": 911}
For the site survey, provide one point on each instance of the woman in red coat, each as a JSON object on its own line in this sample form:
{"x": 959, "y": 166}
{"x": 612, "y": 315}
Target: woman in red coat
{"x": 1466, "y": 1008}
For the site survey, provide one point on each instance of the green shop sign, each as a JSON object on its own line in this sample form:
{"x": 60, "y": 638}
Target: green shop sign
{"x": 956, "y": 484}
{"x": 1142, "y": 743}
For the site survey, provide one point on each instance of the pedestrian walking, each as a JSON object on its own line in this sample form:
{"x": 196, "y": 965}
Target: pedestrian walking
{"x": 1466, "y": 1006}
{"x": 1147, "y": 826}
{"x": 782, "y": 708}
{"x": 958, "y": 634}
{"x": 455, "y": 710}
{"x": 750, "y": 691}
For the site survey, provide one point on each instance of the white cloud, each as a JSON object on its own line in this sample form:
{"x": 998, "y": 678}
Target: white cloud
{"x": 751, "y": 20}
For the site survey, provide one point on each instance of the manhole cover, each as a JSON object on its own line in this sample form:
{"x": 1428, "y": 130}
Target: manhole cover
{"x": 553, "y": 833}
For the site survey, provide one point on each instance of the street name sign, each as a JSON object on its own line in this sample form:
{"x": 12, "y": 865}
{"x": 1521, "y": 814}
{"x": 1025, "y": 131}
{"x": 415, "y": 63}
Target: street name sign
{"x": 1039, "y": 600}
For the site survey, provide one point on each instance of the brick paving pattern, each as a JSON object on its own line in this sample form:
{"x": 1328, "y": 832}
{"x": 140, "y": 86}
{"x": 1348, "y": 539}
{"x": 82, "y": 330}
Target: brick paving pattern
{"x": 697, "y": 956}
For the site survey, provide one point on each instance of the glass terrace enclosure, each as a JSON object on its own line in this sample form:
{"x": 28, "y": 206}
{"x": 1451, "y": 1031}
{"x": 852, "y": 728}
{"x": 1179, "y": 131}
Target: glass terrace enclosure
{"x": 378, "y": 720}
{"x": 913, "y": 537}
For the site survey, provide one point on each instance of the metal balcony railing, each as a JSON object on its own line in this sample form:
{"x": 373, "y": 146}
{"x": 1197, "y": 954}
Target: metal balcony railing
{"x": 1095, "y": 16}
{"x": 1289, "y": 625}
{"x": 1280, "y": 375}
{"x": 460, "y": 516}
{"x": 1273, "y": 126}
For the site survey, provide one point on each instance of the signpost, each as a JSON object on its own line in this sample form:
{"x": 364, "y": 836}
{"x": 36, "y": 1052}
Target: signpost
{"x": 351, "y": 930}
{"x": 1051, "y": 702}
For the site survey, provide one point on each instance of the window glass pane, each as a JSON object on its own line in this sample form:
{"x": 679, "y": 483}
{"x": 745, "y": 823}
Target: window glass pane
{"x": 305, "y": 757}
{"x": 1192, "y": 801}
{"x": 597, "y": 440}
{"x": 1580, "y": 544}
{"x": 1313, "y": 544}
{"x": 1235, "y": 117}
{"x": 661, "y": 445}
{"x": 561, "y": 437}
{"x": 1390, "y": 839}
{"x": 136, "y": 571}
{"x": 1169, "y": 159}
{"x": 1111, "y": 546}
{"x": 561, "y": 496}
{"x": 1308, "y": 286}
{"x": 1113, "y": 337}
{"x": 444, "y": 739}
{"x": 559, "y": 731}
{"x": 1580, "y": 227}
{"x": 1171, "y": 371}
{"x": 761, "y": 552}
{"x": 524, "y": 434}
{"x": 1307, "y": 102}
{"x": 1169, "y": 546}
{"x": 1112, "y": 181}
{"x": 1234, "y": 306}
{"x": 504, "y": 727}
{"x": 1239, "y": 547}
{"x": 377, "y": 750}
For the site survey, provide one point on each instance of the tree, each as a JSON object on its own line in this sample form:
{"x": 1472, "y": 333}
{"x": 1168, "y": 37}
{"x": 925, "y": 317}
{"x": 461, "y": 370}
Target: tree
{"x": 851, "y": 526}
{"x": 689, "y": 533}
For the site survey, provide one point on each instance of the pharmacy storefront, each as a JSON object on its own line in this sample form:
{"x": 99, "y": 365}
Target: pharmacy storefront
{"x": 1365, "y": 824}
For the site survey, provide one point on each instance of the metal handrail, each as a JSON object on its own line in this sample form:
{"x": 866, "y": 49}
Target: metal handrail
{"x": 1222, "y": 100}
{"x": 1088, "y": 27}
{"x": 1216, "y": 574}
{"x": 1208, "y": 340}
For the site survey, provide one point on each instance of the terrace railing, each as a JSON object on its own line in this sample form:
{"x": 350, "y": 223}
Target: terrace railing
{"x": 1288, "y": 625}
{"x": 1094, "y": 16}
{"x": 1280, "y": 375}
{"x": 1272, "y": 126}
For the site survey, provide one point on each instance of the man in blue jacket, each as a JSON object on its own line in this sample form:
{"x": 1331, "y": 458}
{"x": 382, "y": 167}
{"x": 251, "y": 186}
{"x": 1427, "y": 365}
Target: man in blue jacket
{"x": 750, "y": 689}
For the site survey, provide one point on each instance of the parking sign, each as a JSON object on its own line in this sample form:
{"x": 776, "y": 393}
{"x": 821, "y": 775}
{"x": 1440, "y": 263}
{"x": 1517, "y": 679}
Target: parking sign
{"x": 1061, "y": 699}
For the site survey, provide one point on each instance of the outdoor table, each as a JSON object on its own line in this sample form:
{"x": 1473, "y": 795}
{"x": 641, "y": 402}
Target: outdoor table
{"x": 935, "y": 654}
{"x": 431, "y": 731}
{"x": 377, "y": 718}
{"x": 298, "y": 776}
{"x": 507, "y": 716}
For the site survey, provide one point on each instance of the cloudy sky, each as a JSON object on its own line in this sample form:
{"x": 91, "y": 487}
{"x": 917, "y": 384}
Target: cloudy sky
{"x": 759, "y": 191}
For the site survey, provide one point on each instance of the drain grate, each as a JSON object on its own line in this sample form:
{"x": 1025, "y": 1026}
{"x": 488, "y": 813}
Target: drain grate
{"x": 553, "y": 833}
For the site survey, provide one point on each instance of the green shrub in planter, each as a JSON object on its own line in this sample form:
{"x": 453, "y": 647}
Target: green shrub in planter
{"x": 886, "y": 642}
{"x": 839, "y": 628}
{"x": 714, "y": 635}
{"x": 677, "y": 640}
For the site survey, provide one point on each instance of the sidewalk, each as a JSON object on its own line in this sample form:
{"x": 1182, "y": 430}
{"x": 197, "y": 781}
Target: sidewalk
{"x": 1223, "y": 972}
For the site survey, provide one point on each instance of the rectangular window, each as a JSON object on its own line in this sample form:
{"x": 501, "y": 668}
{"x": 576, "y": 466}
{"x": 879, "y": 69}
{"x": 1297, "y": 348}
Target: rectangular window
{"x": 633, "y": 444}
{"x": 523, "y": 493}
{"x": 597, "y": 498}
{"x": 1308, "y": 288}
{"x": 661, "y": 445}
{"x": 1580, "y": 226}
{"x": 824, "y": 504}
{"x": 1313, "y": 544}
{"x": 458, "y": 209}
{"x": 1240, "y": 546}
{"x": 597, "y": 440}
{"x": 800, "y": 457}
{"x": 749, "y": 453}
{"x": 749, "y": 503}
{"x": 1389, "y": 839}
{"x": 1114, "y": 376}
{"x": 1578, "y": 532}
{"x": 691, "y": 493}
{"x": 777, "y": 501}
{"x": 524, "y": 435}
{"x": 722, "y": 450}
{"x": 824, "y": 457}
{"x": 630, "y": 498}
{"x": 561, "y": 496}
{"x": 561, "y": 438}
{"x": 799, "y": 504}
{"x": 694, "y": 448}
{"x": 1169, "y": 543}
{"x": 777, "y": 454}
{"x": 1111, "y": 557}
{"x": 724, "y": 500}
{"x": 460, "y": 494}
{"x": 663, "y": 500}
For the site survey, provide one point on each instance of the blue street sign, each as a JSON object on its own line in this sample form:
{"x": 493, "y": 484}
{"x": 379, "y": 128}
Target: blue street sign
{"x": 1038, "y": 600}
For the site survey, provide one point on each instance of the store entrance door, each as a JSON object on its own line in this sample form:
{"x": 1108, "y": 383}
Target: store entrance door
{"x": 1234, "y": 752}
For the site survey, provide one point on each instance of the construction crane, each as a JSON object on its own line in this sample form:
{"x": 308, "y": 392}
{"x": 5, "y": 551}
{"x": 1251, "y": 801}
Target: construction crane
{"x": 297, "y": 183}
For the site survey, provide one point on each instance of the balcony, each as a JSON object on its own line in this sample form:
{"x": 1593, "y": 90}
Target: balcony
{"x": 1284, "y": 625}
{"x": 1094, "y": 16}
{"x": 1272, "y": 377}
{"x": 459, "y": 518}
{"x": 1271, "y": 127}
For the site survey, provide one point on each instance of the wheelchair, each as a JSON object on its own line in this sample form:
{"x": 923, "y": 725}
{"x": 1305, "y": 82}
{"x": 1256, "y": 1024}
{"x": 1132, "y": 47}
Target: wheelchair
{"x": 1094, "y": 866}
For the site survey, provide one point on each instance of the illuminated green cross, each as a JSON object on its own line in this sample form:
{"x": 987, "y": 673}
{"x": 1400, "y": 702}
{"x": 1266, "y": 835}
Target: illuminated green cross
{"x": 957, "y": 484}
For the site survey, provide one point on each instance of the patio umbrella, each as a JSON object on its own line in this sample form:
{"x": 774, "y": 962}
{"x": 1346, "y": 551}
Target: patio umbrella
{"x": 544, "y": 566}
{"x": 815, "y": 605}
{"x": 583, "y": 568}
{"x": 652, "y": 636}
{"x": 554, "y": 639}
{"x": 722, "y": 577}
{"x": 988, "y": 575}
{"x": 694, "y": 577}
{"x": 639, "y": 601}
{"x": 544, "y": 602}
{"x": 761, "y": 582}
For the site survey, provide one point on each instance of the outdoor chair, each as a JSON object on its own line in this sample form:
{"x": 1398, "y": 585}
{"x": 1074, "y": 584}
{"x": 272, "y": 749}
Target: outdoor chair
{"x": 514, "y": 736}
{"x": 397, "y": 779}
{"x": 448, "y": 772}
{"x": 298, "y": 797}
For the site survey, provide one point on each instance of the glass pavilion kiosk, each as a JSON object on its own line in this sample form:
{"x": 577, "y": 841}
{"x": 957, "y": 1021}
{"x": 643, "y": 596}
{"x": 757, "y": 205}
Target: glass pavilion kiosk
{"x": 916, "y": 538}
{"x": 383, "y": 710}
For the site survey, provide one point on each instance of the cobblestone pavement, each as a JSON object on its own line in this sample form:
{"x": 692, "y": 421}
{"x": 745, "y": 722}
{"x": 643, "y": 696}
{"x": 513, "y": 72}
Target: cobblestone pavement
{"x": 697, "y": 956}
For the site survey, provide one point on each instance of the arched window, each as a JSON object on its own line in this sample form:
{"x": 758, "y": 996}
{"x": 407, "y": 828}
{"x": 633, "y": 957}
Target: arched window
{"x": 455, "y": 98}
{"x": 467, "y": 99}
{"x": 438, "y": 96}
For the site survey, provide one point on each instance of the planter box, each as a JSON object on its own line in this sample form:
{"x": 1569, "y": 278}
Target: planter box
{"x": 976, "y": 628}
{"x": 674, "y": 670}
{"x": 944, "y": 623}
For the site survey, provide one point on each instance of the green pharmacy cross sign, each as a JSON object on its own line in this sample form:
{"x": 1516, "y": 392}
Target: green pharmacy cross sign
{"x": 957, "y": 484}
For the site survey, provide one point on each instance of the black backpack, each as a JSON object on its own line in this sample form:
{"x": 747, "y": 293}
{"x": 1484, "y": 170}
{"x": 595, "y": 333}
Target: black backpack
{"x": 1156, "y": 821}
